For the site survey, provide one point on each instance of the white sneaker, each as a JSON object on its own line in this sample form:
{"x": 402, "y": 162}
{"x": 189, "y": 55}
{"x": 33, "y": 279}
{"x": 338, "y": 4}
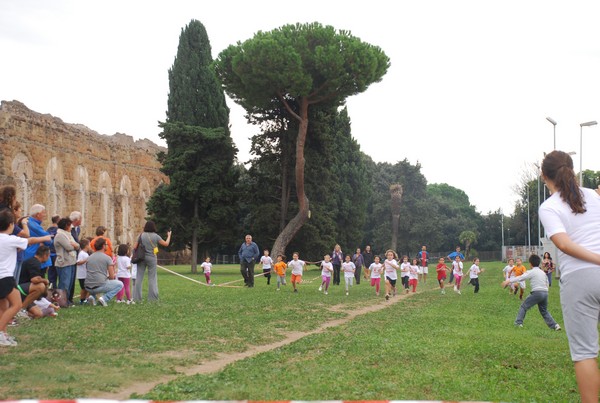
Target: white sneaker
{"x": 346, "y": 293}
{"x": 326, "y": 293}
{"x": 443, "y": 292}
{"x": 455, "y": 289}
{"x": 91, "y": 300}
{"x": 6, "y": 340}
{"x": 459, "y": 292}
{"x": 132, "y": 302}
{"x": 22, "y": 314}
{"x": 120, "y": 301}
{"x": 321, "y": 288}
{"x": 557, "y": 327}
{"x": 102, "y": 301}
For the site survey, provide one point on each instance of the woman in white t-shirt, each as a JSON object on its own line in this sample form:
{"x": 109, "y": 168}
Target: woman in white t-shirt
{"x": 571, "y": 218}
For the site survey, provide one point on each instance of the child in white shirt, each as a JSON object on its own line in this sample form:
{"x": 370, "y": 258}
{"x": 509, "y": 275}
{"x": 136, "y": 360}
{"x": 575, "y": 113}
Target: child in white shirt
{"x": 474, "y": 274}
{"x": 326, "y": 270}
{"x": 297, "y": 266}
{"x": 375, "y": 270}
{"x": 124, "y": 273}
{"x": 207, "y": 269}
{"x": 390, "y": 265}
{"x": 348, "y": 268}
{"x": 457, "y": 270}
{"x": 413, "y": 275}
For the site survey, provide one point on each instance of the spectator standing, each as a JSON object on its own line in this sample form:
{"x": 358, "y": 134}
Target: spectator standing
{"x": 359, "y": 262}
{"x": 76, "y": 219}
{"x": 150, "y": 240}
{"x": 368, "y": 259}
{"x": 37, "y": 215}
{"x": 248, "y": 253}
{"x": 66, "y": 257}
{"x": 571, "y": 218}
{"x": 51, "y": 270}
{"x": 337, "y": 258}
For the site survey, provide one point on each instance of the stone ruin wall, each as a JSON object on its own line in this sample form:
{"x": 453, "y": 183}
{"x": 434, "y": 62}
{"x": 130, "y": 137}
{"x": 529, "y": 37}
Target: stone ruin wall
{"x": 69, "y": 167}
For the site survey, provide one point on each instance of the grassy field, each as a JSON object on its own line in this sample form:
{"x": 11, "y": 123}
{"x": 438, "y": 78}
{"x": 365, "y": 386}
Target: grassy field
{"x": 427, "y": 346}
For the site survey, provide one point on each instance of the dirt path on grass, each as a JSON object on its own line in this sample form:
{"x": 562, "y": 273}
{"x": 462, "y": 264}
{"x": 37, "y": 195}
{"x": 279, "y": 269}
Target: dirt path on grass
{"x": 223, "y": 360}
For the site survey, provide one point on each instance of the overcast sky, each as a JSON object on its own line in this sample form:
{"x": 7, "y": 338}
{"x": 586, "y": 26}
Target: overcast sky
{"x": 467, "y": 95}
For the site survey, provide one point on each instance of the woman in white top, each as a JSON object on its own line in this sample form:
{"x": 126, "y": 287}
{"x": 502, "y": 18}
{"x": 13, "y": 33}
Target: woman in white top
{"x": 571, "y": 218}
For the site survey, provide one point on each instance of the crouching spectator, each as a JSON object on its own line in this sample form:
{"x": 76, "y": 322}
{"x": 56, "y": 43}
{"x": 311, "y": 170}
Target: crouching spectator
{"x": 32, "y": 285}
{"x": 101, "y": 275}
{"x": 44, "y": 307}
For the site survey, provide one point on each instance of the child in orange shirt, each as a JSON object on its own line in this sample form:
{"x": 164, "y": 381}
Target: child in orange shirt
{"x": 280, "y": 267}
{"x": 519, "y": 270}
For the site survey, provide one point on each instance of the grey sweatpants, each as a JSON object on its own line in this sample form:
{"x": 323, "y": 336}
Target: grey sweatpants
{"x": 539, "y": 298}
{"x": 150, "y": 264}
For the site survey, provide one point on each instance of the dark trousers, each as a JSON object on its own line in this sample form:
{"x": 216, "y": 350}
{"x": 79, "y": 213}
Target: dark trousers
{"x": 247, "y": 270}
{"x": 475, "y": 282}
{"x": 267, "y": 274}
{"x": 405, "y": 282}
{"x": 52, "y": 274}
{"x": 357, "y": 274}
{"x": 451, "y": 277}
{"x": 336, "y": 273}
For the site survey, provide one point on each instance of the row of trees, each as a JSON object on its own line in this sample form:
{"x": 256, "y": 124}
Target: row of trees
{"x": 293, "y": 82}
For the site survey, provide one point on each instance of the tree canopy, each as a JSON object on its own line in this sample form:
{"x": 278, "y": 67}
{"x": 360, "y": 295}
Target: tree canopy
{"x": 298, "y": 66}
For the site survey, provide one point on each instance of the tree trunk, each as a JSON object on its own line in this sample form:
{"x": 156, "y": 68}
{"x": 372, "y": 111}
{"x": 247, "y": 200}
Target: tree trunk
{"x": 395, "y": 222}
{"x": 285, "y": 189}
{"x": 292, "y": 227}
{"x": 195, "y": 239}
{"x": 396, "y": 203}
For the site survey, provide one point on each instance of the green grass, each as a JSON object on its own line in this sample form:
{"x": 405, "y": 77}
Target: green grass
{"x": 428, "y": 346}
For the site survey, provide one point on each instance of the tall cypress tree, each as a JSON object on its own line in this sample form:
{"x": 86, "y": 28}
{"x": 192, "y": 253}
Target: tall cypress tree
{"x": 198, "y": 201}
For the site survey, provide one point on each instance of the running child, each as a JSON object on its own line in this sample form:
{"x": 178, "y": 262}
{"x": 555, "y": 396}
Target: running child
{"x": 390, "y": 265}
{"x": 405, "y": 272}
{"x": 423, "y": 257}
{"x": 538, "y": 296}
{"x": 348, "y": 268}
{"x": 508, "y": 275}
{"x": 297, "y": 266}
{"x": 457, "y": 271}
{"x": 326, "y": 270}
{"x": 124, "y": 273}
{"x": 267, "y": 263}
{"x": 280, "y": 267}
{"x": 207, "y": 269}
{"x": 517, "y": 271}
{"x": 441, "y": 270}
{"x": 474, "y": 274}
{"x": 375, "y": 270}
{"x": 413, "y": 275}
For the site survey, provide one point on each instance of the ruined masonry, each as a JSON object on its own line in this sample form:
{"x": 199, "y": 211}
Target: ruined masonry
{"x": 70, "y": 167}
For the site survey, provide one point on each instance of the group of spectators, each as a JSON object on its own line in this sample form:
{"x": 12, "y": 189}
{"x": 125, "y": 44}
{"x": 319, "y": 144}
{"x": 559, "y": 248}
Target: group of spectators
{"x": 38, "y": 267}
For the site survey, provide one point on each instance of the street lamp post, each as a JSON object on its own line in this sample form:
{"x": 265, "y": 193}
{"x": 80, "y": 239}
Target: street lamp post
{"x": 591, "y": 123}
{"x": 553, "y": 124}
{"x": 528, "y": 222}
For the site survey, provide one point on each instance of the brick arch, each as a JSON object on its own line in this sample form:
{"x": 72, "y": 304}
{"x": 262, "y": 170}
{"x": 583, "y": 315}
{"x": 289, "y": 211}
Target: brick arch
{"x": 145, "y": 193}
{"x": 82, "y": 194}
{"x": 107, "y": 207}
{"x": 128, "y": 218}
{"x": 22, "y": 170}
{"x": 55, "y": 188}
